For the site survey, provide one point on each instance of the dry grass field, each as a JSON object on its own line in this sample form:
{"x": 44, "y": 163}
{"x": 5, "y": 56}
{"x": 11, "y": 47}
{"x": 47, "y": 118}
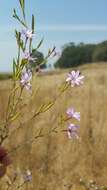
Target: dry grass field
{"x": 58, "y": 163}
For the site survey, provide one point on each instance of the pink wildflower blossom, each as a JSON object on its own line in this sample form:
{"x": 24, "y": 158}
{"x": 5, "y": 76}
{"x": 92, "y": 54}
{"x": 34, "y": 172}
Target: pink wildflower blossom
{"x": 72, "y": 114}
{"x": 74, "y": 78}
{"x": 72, "y": 131}
{"x": 26, "y": 79}
{"x": 27, "y": 176}
{"x": 27, "y": 33}
{"x": 29, "y": 57}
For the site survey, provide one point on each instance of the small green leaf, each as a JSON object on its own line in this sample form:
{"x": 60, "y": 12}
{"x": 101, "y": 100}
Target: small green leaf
{"x": 51, "y": 51}
{"x": 33, "y": 23}
{"x": 23, "y": 63}
{"x": 18, "y": 37}
{"x": 18, "y": 19}
{"x": 39, "y": 110}
{"x": 64, "y": 87}
{"x": 22, "y": 45}
{"x": 15, "y": 116}
{"x": 43, "y": 108}
{"x": 14, "y": 68}
{"x": 22, "y": 5}
{"x": 47, "y": 106}
{"x": 40, "y": 43}
{"x": 19, "y": 40}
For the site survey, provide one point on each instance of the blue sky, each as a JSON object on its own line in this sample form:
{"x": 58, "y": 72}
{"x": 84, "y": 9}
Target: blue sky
{"x": 58, "y": 21}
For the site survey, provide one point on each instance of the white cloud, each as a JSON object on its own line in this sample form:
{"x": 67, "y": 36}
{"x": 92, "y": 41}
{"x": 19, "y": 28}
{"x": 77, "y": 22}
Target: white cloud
{"x": 58, "y": 28}
{"x": 71, "y": 28}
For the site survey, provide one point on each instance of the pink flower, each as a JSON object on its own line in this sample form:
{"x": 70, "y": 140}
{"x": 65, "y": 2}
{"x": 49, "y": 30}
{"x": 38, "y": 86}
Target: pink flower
{"x": 27, "y": 33}
{"x": 26, "y": 79}
{"x": 27, "y": 176}
{"x": 72, "y": 131}
{"x": 26, "y": 55}
{"x": 72, "y": 114}
{"x": 74, "y": 78}
{"x": 29, "y": 57}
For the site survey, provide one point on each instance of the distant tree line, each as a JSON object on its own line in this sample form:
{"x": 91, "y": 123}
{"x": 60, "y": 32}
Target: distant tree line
{"x": 77, "y": 54}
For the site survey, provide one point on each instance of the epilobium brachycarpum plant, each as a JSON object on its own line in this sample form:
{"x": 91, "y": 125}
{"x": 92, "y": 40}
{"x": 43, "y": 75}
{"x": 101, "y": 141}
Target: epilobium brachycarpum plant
{"x": 22, "y": 80}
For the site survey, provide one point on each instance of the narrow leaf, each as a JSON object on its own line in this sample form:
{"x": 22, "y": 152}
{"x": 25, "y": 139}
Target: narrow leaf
{"x": 48, "y": 106}
{"x": 18, "y": 19}
{"x": 15, "y": 116}
{"x": 22, "y": 5}
{"x": 40, "y": 43}
{"x": 33, "y": 23}
{"x": 14, "y": 68}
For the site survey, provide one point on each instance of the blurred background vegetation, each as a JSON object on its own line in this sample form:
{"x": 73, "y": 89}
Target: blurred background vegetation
{"x": 72, "y": 55}
{"x": 77, "y": 54}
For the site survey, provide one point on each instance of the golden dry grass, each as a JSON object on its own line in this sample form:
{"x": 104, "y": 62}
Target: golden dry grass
{"x": 55, "y": 161}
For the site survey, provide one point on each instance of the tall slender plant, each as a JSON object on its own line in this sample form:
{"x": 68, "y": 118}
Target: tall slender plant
{"x": 21, "y": 81}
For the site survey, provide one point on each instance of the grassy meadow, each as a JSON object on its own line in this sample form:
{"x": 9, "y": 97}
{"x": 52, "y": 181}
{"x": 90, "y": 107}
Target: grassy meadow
{"x": 56, "y": 162}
